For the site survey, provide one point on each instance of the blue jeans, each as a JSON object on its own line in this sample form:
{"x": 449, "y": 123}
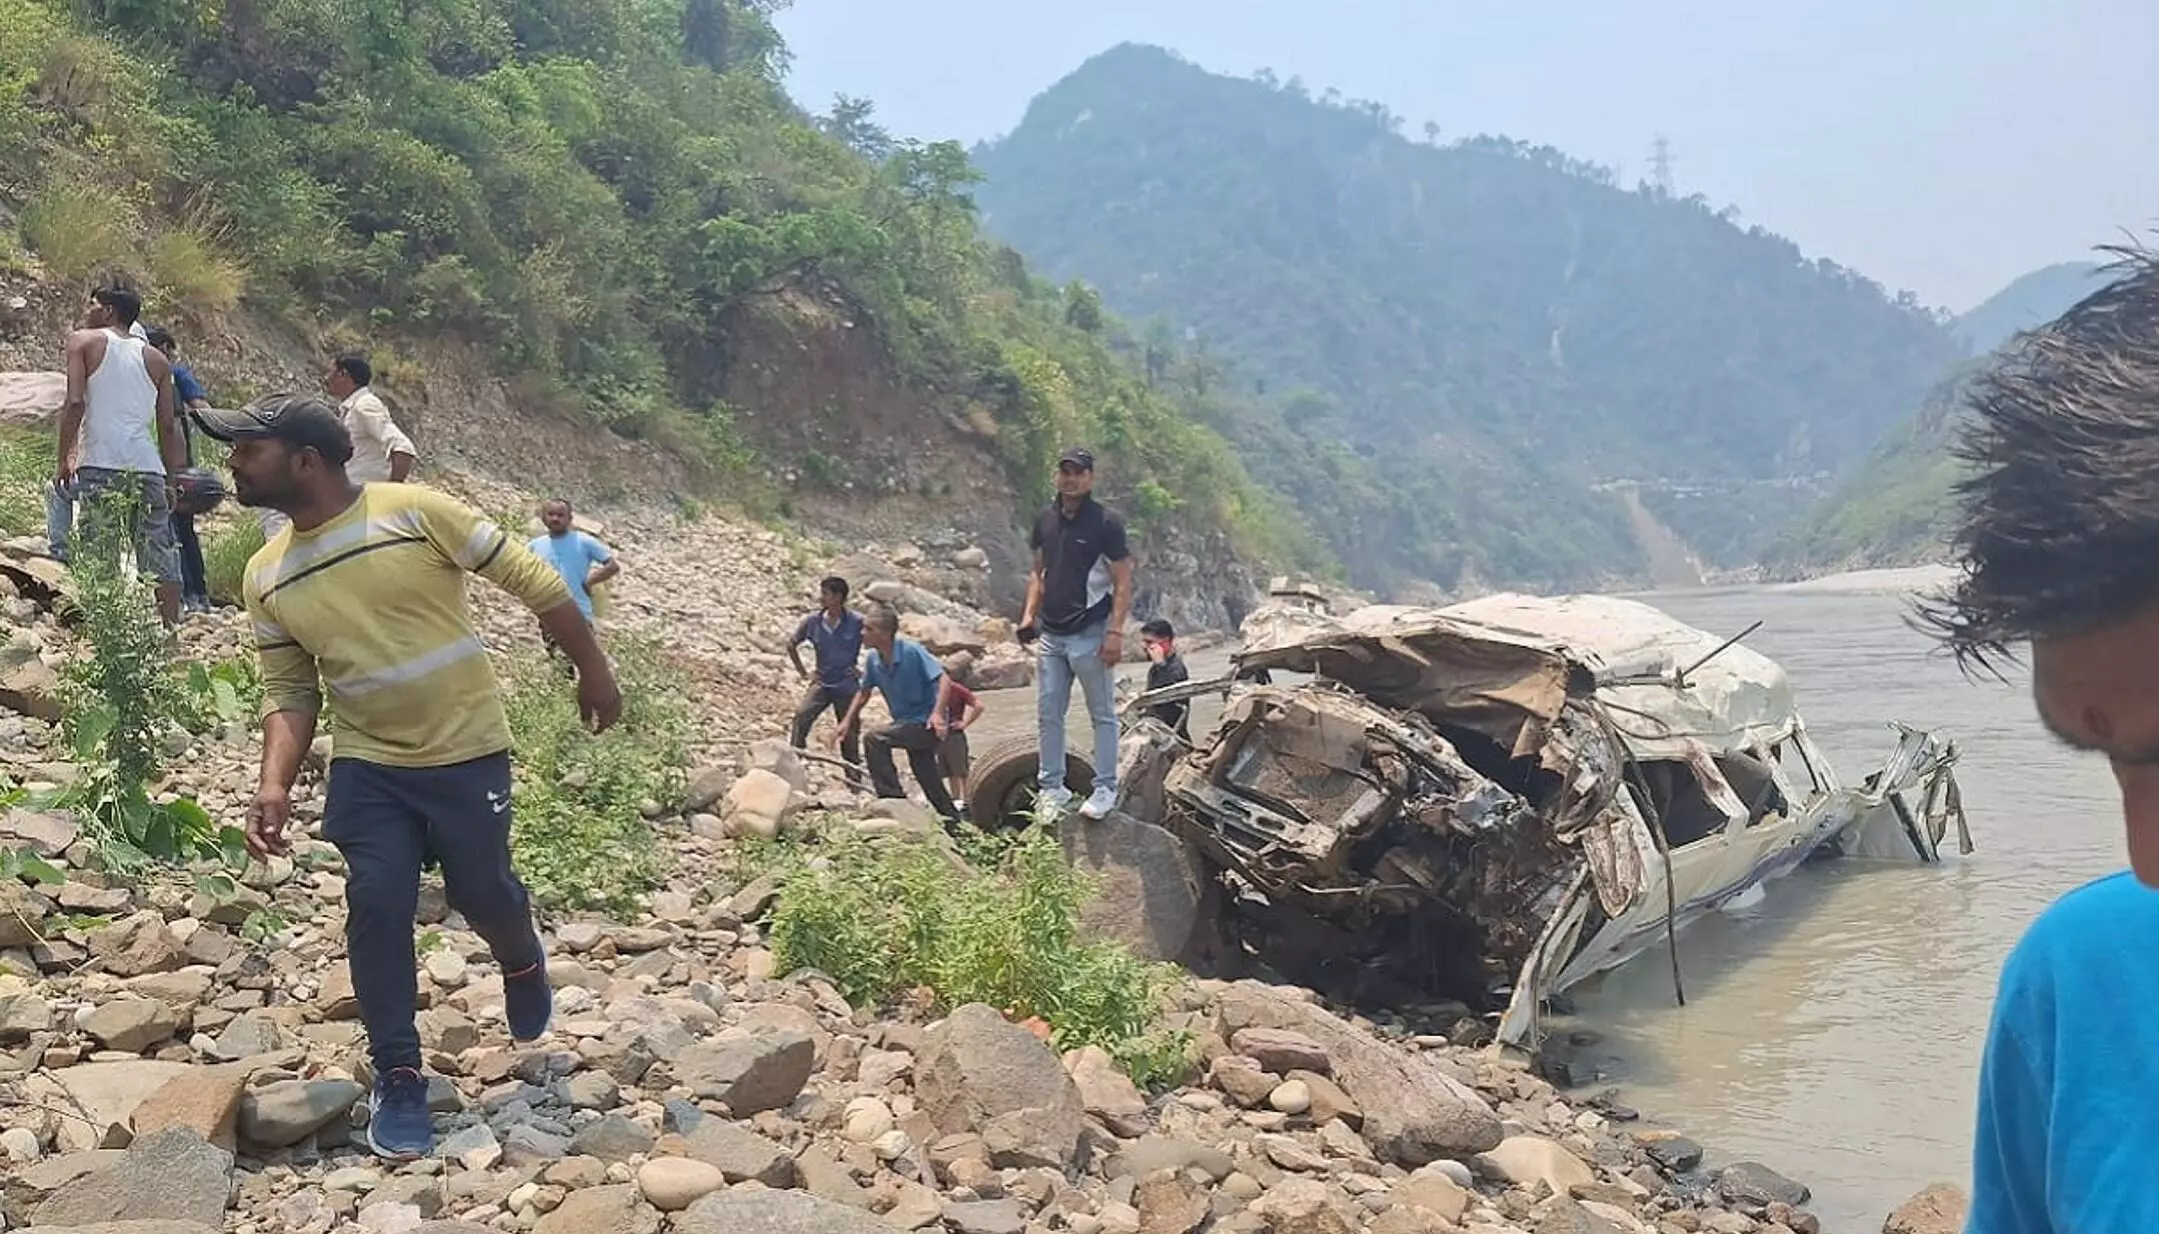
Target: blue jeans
{"x": 1062, "y": 658}
{"x": 59, "y": 517}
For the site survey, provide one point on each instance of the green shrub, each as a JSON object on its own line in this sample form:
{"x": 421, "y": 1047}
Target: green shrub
{"x": 225, "y": 557}
{"x": 79, "y": 232}
{"x": 1002, "y": 931}
{"x": 26, "y": 464}
{"x": 580, "y": 832}
{"x": 123, "y": 700}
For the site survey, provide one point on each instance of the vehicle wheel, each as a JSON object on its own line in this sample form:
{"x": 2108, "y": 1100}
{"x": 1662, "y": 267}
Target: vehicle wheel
{"x": 1001, "y": 787}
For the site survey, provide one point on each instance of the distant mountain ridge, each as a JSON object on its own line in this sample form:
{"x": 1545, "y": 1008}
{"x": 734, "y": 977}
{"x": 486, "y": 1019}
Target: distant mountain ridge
{"x": 1461, "y": 347}
{"x": 1895, "y": 509}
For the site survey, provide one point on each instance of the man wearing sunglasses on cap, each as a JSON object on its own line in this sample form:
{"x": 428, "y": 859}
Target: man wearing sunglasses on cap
{"x": 362, "y": 593}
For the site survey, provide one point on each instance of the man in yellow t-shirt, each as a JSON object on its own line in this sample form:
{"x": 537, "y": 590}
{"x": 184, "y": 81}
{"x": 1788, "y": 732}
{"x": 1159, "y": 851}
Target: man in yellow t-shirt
{"x": 362, "y": 593}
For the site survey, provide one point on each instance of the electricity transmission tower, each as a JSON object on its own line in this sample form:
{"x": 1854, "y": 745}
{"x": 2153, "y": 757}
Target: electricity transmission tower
{"x": 1660, "y": 166}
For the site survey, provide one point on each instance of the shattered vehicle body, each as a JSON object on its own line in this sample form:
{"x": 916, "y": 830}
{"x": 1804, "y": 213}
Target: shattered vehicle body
{"x": 1494, "y": 801}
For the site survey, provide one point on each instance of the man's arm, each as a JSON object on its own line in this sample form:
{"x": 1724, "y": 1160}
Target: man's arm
{"x": 291, "y": 700}
{"x": 854, "y": 710}
{"x": 475, "y": 543}
{"x": 171, "y": 443}
{"x": 1120, "y": 608}
{"x": 794, "y": 648}
{"x": 71, "y": 411}
{"x": 607, "y": 568}
{"x": 973, "y": 712}
{"x": 2009, "y": 1149}
{"x": 372, "y": 419}
{"x": 938, "y": 723}
{"x": 1032, "y": 609}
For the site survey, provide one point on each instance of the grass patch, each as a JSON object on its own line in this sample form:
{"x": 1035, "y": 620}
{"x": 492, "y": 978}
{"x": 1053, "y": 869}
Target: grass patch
{"x": 225, "y": 556}
{"x": 580, "y": 833}
{"x": 78, "y": 232}
{"x": 189, "y": 271}
{"x": 1003, "y": 930}
{"x": 26, "y": 466}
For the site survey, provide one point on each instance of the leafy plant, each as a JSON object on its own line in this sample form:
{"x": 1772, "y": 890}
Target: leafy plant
{"x": 882, "y": 921}
{"x": 124, "y": 695}
{"x": 228, "y": 692}
{"x": 79, "y": 231}
{"x": 579, "y": 826}
{"x": 21, "y": 863}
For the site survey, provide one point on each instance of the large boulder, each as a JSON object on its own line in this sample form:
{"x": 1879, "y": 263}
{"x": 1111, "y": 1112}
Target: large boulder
{"x": 979, "y": 1072}
{"x": 1940, "y": 1209}
{"x": 31, "y": 398}
{"x": 1414, "y": 1113}
{"x": 1148, "y": 886}
{"x": 174, "y": 1173}
{"x": 776, "y": 1212}
{"x": 750, "y": 1074}
{"x": 757, "y": 805}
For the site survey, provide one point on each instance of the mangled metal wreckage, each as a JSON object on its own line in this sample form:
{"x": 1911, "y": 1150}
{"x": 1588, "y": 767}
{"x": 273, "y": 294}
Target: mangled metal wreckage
{"x": 1493, "y": 801}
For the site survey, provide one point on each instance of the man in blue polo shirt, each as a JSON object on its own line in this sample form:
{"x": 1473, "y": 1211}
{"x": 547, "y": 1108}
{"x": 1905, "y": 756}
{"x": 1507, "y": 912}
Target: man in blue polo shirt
{"x": 835, "y": 633}
{"x": 916, "y": 692}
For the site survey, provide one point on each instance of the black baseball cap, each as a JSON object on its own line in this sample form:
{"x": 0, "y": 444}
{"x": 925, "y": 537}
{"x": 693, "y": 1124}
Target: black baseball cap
{"x": 1077, "y": 456}
{"x": 302, "y": 421}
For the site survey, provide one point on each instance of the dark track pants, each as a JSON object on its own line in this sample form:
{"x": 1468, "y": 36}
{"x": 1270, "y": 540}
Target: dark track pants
{"x": 387, "y": 821}
{"x": 921, "y": 744}
{"x": 814, "y": 702}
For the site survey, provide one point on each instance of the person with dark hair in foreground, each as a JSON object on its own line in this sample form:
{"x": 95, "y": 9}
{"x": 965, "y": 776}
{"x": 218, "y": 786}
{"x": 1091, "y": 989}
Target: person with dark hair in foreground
{"x": 2059, "y": 552}
{"x": 362, "y": 593}
{"x": 917, "y": 692}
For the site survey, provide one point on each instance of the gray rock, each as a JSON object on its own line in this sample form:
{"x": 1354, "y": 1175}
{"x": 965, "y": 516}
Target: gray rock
{"x": 1414, "y": 1113}
{"x": 750, "y": 1074}
{"x": 613, "y": 1138}
{"x": 592, "y": 1090}
{"x": 1565, "y": 1216}
{"x": 738, "y": 1154}
{"x": 616, "y": 1209}
{"x": 249, "y": 1035}
{"x": 172, "y": 1174}
{"x": 154, "y": 1226}
{"x": 776, "y": 1212}
{"x": 1151, "y": 1153}
{"x": 982, "y": 1073}
{"x": 131, "y": 1024}
{"x": 21, "y": 909}
{"x": 44, "y": 832}
{"x": 1751, "y": 1182}
{"x": 22, "y": 1015}
{"x": 986, "y": 1217}
{"x": 1675, "y": 1154}
{"x": 288, "y": 1111}
{"x": 140, "y": 944}
{"x": 527, "y": 1145}
{"x": 1147, "y": 886}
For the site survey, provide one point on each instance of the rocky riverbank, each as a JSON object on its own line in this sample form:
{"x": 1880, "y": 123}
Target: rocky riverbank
{"x": 179, "y": 1055}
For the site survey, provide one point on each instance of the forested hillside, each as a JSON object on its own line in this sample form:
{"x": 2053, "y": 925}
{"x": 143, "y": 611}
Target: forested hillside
{"x": 609, "y": 195}
{"x": 1477, "y": 333}
{"x": 1894, "y": 510}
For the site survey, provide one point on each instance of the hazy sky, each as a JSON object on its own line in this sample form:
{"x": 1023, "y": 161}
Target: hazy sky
{"x": 1945, "y": 146}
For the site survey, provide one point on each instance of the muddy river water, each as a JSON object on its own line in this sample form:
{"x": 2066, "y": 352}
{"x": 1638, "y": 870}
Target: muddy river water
{"x": 1833, "y": 1027}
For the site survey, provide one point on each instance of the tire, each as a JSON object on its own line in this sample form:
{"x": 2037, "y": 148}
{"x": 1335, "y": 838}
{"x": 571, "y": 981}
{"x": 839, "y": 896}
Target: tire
{"x": 1001, "y": 788}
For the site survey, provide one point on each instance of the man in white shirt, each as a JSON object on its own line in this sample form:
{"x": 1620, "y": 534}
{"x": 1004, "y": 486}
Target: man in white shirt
{"x": 380, "y": 449}
{"x": 120, "y": 437}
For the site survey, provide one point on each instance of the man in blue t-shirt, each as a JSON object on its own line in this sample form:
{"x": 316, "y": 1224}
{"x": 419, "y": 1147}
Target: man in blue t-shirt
{"x": 834, "y": 632}
{"x": 2060, "y": 516}
{"x": 917, "y": 693}
{"x": 582, "y": 561}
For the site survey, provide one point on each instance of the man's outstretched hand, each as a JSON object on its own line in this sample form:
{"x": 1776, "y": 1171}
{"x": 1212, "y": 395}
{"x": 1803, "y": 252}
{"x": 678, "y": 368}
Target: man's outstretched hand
{"x": 599, "y": 701}
{"x": 267, "y": 816}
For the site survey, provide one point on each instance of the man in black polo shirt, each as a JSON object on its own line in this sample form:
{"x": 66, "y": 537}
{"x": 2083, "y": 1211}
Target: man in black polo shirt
{"x": 1079, "y": 593}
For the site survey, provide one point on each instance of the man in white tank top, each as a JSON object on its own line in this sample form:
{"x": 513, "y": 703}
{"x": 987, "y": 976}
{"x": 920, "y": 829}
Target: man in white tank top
{"x": 120, "y": 438}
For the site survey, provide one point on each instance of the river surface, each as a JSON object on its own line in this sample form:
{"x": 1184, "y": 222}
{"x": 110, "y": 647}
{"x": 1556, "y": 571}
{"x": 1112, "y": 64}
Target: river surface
{"x": 1833, "y": 1027}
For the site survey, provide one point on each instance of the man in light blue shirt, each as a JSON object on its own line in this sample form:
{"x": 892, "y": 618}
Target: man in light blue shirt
{"x": 2060, "y": 554}
{"x": 916, "y": 692}
{"x": 582, "y": 560}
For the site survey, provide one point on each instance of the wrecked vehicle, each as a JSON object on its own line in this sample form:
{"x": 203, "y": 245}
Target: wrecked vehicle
{"x": 1493, "y": 801}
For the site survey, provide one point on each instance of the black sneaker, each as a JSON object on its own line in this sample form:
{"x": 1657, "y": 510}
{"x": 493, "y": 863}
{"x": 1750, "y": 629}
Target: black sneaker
{"x": 528, "y": 1002}
{"x": 398, "y": 1125}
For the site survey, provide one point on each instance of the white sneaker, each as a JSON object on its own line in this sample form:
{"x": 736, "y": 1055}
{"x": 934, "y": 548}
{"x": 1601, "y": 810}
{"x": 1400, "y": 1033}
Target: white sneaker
{"x": 1099, "y": 804}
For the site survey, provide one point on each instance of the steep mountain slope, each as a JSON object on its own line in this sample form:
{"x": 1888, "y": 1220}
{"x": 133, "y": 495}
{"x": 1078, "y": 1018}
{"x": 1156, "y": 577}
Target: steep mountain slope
{"x": 1492, "y": 329}
{"x": 616, "y": 207}
{"x": 1893, "y": 510}
{"x": 2030, "y": 300}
